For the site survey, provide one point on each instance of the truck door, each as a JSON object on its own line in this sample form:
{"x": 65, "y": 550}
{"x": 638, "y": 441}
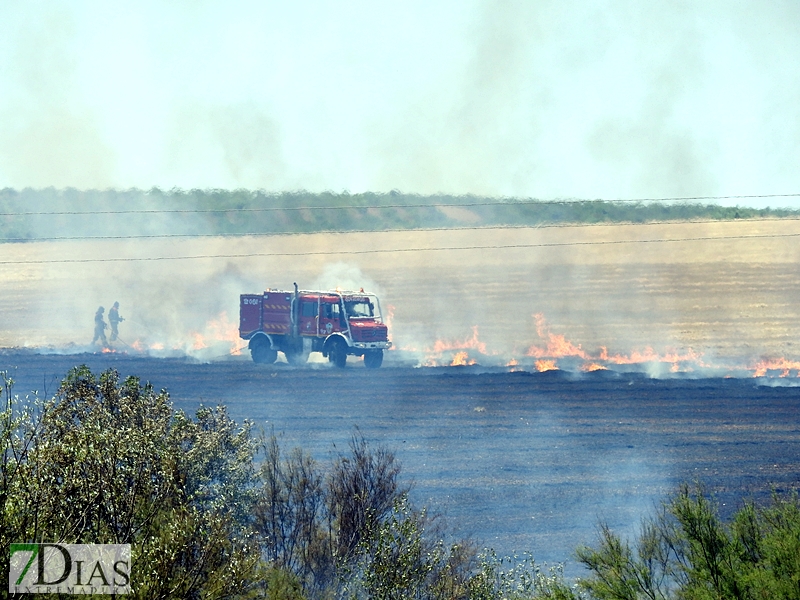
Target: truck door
{"x": 329, "y": 317}
{"x": 309, "y": 310}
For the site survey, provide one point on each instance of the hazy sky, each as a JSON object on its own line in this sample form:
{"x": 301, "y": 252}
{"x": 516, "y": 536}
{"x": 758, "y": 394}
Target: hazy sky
{"x": 603, "y": 99}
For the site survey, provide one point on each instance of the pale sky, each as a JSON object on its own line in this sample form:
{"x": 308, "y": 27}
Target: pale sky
{"x": 545, "y": 99}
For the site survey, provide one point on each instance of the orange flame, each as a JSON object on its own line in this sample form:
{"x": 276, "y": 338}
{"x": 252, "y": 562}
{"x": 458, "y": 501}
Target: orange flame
{"x": 650, "y": 355}
{"x": 557, "y": 345}
{"x": 472, "y": 343}
{"x": 199, "y": 342}
{"x": 552, "y": 347}
{"x": 220, "y": 329}
{"x": 388, "y": 319}
{"x": 546, "y": 365}
{"x": 776, "y": 364}
{"x": 461, "y": 347}
{"x": 461, "y": 359}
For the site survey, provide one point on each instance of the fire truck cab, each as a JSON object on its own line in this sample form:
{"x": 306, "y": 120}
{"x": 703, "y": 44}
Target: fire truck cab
{"x": 336, "y": 323}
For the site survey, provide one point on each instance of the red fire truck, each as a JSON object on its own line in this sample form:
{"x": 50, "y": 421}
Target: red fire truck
{"x": 296, "y": 323}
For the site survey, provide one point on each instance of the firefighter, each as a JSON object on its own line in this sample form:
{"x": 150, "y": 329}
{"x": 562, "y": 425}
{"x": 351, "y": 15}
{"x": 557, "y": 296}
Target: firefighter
{"x": 100, "y": 327}
{"x": 115, "y": 320}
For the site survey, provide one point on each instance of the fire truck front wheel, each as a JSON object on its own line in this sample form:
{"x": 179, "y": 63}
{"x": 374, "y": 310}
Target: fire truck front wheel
{"x": 373, "y": 359}
{"x": 337, "y": 353}
{"x": 262, "y": 353}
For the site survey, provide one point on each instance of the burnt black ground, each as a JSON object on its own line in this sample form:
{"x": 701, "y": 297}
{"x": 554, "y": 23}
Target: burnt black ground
{"x": 521, "y": 461}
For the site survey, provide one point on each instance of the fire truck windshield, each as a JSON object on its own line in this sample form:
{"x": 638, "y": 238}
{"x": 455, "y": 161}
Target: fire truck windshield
{"x": 360, "y": 308}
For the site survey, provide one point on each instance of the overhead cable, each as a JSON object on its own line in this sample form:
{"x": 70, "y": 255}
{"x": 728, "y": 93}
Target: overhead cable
{"x": 399, "y": 250}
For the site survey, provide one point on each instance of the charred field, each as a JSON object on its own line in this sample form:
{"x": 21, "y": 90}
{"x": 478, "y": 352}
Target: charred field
{"x": 520, "y": 461}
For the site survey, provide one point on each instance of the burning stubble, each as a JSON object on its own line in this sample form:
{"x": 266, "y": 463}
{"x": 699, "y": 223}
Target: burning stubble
{"x": 611, "y": 297}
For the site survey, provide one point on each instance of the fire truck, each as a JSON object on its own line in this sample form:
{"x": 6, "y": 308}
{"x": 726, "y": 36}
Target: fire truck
{"x": 338, "y": 324}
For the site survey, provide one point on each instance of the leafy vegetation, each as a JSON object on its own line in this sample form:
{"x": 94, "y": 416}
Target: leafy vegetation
{"x": 62, "y": 213}
{"x": 110, "y": 462}
{"x": 687, "y": 552}
{"x": 213, "y": 511}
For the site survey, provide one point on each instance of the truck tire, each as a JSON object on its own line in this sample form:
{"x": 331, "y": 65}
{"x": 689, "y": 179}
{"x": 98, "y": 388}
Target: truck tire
{"x": 373, "y": 359}
{"x": 337, "y": 353}
{"x": 262, "y": 353}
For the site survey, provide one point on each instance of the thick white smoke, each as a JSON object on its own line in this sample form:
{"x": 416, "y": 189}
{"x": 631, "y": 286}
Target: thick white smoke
{"x": 545, "y": 99}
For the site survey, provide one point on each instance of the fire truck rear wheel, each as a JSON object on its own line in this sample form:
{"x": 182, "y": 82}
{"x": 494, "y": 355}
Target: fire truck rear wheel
{"x": 263, "y": 354}
{"x": 373, "y": 359}
{"x": 338, "y": 353}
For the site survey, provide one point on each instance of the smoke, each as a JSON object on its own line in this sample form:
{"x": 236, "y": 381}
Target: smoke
{"x": 345, "y": 276}
{"x": 545, "y": 99}
{"x": 782, "y": 382}
{"x": 241, "y": 142}
{"x": 48, "y": 137}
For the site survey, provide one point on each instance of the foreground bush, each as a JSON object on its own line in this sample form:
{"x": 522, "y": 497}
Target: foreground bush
{"x": 686, "y": 551}
{"x": 108, "y": 461}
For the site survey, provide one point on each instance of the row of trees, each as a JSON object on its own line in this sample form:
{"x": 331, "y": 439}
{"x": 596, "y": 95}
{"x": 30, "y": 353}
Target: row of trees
{"x": 238, "y": 212}
{"x": 213, "y": 509}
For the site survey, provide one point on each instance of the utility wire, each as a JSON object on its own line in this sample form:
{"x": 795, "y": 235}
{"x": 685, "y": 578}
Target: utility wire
{"x": 393, "y": 230}
{"x": 495, "y": 203}
{"x": 401, "y": 250}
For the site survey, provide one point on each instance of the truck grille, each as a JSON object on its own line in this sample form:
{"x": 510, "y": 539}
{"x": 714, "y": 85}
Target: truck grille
{"x": 371, "y": 335}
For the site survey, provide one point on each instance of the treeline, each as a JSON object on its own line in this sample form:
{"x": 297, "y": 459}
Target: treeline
{"x": 31, "y": 214}
{"x": 213, "y": 509}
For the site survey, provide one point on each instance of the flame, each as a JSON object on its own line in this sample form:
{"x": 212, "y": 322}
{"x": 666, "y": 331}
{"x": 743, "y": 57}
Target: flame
{"x": 650, "y": 355}
{"x": 513, "y": 366}
{"x": 219, "y": 329}
{"x": 388, "y": 319}
{"x": 551, "y": 347}
{"x": 199, "y": 342}
{"x": 783, "y": 365}
{"x": 472, "y": 343}
{"x": 461, "y": 359}
{"x": 557, "y": 345}
{"x": 461, "y": 348}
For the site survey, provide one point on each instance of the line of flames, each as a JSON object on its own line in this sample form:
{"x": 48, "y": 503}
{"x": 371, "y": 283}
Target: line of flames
{"x": 462, "y": 352}
{"x": 214, "y": 333}
{"x": 556, "y": 346}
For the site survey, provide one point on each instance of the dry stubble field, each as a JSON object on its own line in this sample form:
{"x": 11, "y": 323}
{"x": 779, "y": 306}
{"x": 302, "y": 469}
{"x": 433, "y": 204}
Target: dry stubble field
{"x": 727, "y": 290}
{"x": 523, "y": 461}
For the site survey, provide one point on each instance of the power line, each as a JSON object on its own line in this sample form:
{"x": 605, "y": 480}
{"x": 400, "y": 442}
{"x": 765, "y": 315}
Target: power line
{"x": 393, "y": 230}
{"x": 400, "y": 250}
{"x": 494, "y": 203}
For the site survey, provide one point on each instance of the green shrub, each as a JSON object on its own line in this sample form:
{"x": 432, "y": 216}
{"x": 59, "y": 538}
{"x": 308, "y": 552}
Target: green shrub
{"x": 687, "y": 552}
{"x": 109, "y": 462}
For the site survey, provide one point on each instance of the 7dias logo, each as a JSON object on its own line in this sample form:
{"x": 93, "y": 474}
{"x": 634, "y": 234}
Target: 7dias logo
{"x": 70, "y": 569}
